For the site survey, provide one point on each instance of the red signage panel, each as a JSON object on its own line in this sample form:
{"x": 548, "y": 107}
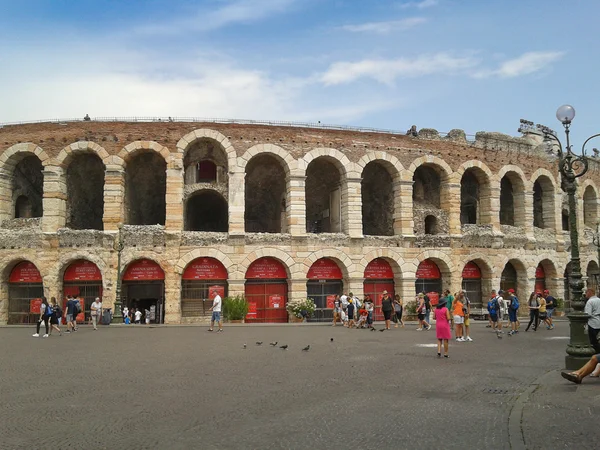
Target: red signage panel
{"x": 379, "y": 269}
{"x": 428, "y": 270}
{"x": 82, "y": 270}
{"x": 539, "y": 272}
{"x": 434, "y": 298}
{"x": 205, "y": 269}
{"x": 266, "y": 269}
{"x": 220, "y": 290}
{"x": 275, "y": 301}
{"x": 252, "y": 310}
{"x": 25, "y": 272}
{"x": 143, "y": 270}
{"x": 331, "y": 301}
{"x": 324, "y": 269}
{"x": 471, "y": 271}
{"x": 35, "y": 306}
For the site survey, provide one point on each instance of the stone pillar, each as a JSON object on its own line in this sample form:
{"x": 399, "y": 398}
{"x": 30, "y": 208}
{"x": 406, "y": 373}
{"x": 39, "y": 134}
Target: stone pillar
{"x": 236, "y": 287}
{"x": 54, "y": 200}
{"x": 6, "y": 201}
{"x": 297, "y": 289}
{"x": 236, "y": 201}
{"x": 451, "y": 203}
{"x": 114, "y": 193}
{"x": 356, "y": 286}
{"x": 527, "y": 214}
{"x": 407, "y": 289}
{"x": 403, "y": 208}
{"x": 174, "y": 198}
{"x": 553, "y": 217}
{"x": 490, "y": 206}
{"x": 352, "y": 208}
{"x": 296, "y": 205}
{"x": 172, "y": 297}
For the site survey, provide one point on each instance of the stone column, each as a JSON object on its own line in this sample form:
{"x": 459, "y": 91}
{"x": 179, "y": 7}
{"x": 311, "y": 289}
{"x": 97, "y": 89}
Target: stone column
{"x": 403, "y": 208}
{"x": 528, "y": 214}
{"x": 407, "y": 289}
{"x": 174, "y": 198}
{"x": 114, "y": 193}
{"x": 172, "y": 297}
{"x": 236, "y": 201}
{"x": 297, "y": 289}
{"x": 236, "y": 287}
{"x": 296, "y": 205}
{"x": 451, "y": 203}
{"x": 356, "y": 286}
{"x": 6, "y": 201}
{"x": 490, "y": 206}
{"x": 352, "y": 208}
{"x": 54, "y": 200}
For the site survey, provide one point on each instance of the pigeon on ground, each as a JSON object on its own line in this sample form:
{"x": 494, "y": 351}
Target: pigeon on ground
{"x": 331, "y": 339}
{"x": 244, "y": 346}
{"x": 273, "y": 343}
{"x": 307, "y": 348}
{"x": 382, "y": 330}
{"x": 284, "y": 347}
{"x": 258, "y": 342}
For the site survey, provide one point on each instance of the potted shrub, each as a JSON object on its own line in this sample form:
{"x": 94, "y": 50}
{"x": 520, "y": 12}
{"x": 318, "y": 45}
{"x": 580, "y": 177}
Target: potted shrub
{"x": 410, "y": 311}
{"x": 235, "y": 309}
{"x": 300, "y": 310}
{"x": 560, "y": 304}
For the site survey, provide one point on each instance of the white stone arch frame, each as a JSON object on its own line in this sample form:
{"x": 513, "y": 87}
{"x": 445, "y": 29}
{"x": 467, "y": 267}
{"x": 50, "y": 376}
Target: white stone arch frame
{"x": 7, "y": 265}
{"x": 516, "y": 176}
{"x": 395, "y": 169}
{"x": 551, "y": 208}
{"x": 8, "y": 161}
{"x": 132, "y": 257}
{"x": 523, "y": 284}
{"x": 204, "y": 133}
{"x": 589, "y": 206}
{"x": 190, "y": 256}
{"x": 393, "y": 258}
{"x": 550, "y": 271}
{"x": 488, "y": 272}
{"x": 342, "y": 260}
{"x": 65, "y": 260}
{"x": 284, "y": 258}
{"x": 488, "y": 189}
{"x": 444, "y": 263}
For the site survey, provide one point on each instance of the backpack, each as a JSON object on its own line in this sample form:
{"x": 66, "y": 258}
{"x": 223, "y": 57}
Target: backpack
{"x": 493, "y": 305}
{"x": 48, "y": 311}
{"x": 78, "y": 307}
{"x": 514, "y": 303}
{"x": 427, "y": 302}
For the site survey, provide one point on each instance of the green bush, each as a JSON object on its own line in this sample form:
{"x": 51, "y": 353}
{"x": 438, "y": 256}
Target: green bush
{"x": 235, "y": 308}
{"x": 295, "y": 307}
{"x": 560, "y": 303}
{"x": 410, "y": 308}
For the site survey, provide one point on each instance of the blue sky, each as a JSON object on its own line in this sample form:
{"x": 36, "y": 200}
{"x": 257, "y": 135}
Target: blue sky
{"x": 471, "y": 64}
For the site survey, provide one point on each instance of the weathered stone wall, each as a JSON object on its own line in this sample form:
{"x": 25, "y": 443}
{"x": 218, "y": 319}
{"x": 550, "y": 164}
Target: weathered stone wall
{"x": 52, "y": 247}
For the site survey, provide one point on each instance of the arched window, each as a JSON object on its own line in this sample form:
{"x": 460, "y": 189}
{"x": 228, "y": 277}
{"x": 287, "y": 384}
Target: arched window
{"x": 431, "y": 225}
{"x": 377, "y": 192}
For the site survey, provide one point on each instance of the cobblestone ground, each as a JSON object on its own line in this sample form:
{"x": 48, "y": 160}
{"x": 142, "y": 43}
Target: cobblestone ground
{"x": 182, "y": 387}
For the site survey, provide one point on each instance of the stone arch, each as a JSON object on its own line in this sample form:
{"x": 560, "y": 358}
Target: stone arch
{"x": 66, "y": 154}
{"x": 345, "y": 263}
{"x": 9, "y": 264}
{"x": 204, "y": 133}
{"x": 447, "y": 267}
{"x": 544, "y": 199}
{"x": 135, "y": 256}
{"x": 380, "y": 195}
{"x": 133, "y": 148}
{"x": 12, "y": 155}
{"x": 183, "y": 262}
{"x": 341, "y": 161}
{"x": 284, "y": 258}
{"x": 65, "y": 260}
{"x": 391, "y": 256}
{"x": 550, "y": 271}
{"x": 523, "y": 285}
{"x": 512, "y": 186}
{"x": 390, "y": 162}
{"x": 286, "y": 160}
{"x": 484, "y": 285}
{"x": 482, "y": 261}
{"x": 589, "y": 198}
{"x": 482, "y": 200}
{"x": 430, "y": 160}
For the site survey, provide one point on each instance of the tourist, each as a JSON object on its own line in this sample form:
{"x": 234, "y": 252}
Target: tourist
{"x": 45, "y": 313}
{"x": 387, "y": 308}
{"x": 493, "y": 308}
{"x": 542, "y": 310}
{"x": 592, "y": 309}
{"x": 513, "y": 309}
{"x": 362, "y": 318}
{"x": 216, "y": 312}
{"x": 350, "y": 313}
{"x": 138, "y": 316}
{"x": 344, "y": 301}
{"x": 125, "y": 314}
{"x": 551, "y": 304}
{"x": 459, "y": 318}
{"x": 442, "y": 327}
{"x": 55, "y": 317}
{"x": 427, "y": 302}
{"x": 369, "y": 307}
{"x": 337, "y": 310}
{"x": 398, "y": 307}
{"x": 449, "y": 302}
{"x": 534, "y": 311}
{"x": 71, "y": 314}
{"x": 502, "y": 313}
{"x": 492, "y": 295}
{"x": 96, "y": 311}
{"x": 421, "y": 308}
{"x": 590, "y": 368}
{"x": 467, "y": 309}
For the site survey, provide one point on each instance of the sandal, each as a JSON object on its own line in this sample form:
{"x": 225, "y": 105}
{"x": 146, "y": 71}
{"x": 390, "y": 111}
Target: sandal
{"x": 571, "y": 377}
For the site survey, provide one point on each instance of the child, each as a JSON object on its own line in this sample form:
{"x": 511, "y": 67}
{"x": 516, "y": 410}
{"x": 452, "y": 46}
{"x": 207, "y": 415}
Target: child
{"x": 442, "y": 327}
{"x": 350, "y": 313}
{"x": 362, "y": 320}
{"x": 138, "y": 316}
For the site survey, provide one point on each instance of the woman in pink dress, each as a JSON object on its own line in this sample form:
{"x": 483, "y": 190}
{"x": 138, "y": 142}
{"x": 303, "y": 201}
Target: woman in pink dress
{"x": 442, "y": 327}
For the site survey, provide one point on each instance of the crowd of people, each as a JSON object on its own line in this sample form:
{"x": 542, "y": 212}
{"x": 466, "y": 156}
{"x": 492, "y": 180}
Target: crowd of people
{"x": 51, "y": 315}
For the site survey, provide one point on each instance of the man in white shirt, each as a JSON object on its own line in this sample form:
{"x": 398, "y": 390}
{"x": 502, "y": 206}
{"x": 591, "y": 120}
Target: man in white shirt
{"x": 345, "y": 302}
{"x": 592, "y": 308}
{"x": 96, "y": 311}
{"x": 216, "y": 312}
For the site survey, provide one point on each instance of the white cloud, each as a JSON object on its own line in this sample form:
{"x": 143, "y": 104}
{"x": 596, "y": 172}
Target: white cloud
{"x": 387, "y": 70}
{"x": 233, "y": 12}
{"x": 385, "y": 27}
{"x": 418, "y": 4}
{"x": 525, "y": 64}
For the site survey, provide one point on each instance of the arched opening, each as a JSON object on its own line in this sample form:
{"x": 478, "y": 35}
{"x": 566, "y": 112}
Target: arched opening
{"x": 509, "y": 279}
{"x": 206, "y": 210}
{"x": 593, "y": 275}
{"x": 427, "y": 199}
{"x": 323, "y": 197}
{"x": 146, "y": 189}
{"x": 25, "y": 291}
{"x": 144, "y": 289}
{"x": 265, "y": 210}
{"x": 543, "y": 203}
{"x": 429, "y": 280}
{"x": 83, "y": 280}
{"x": 85, "y": 192}
{"x": 200, "y": 279}
{"x": 469, "y": 198}
{"x": 377, "y": 190}
{"x": 205, "y": 162}
{"x": 431, "y": 225}
{"x": 207, "y": 172}
{"x": 325, "y": 281}
{"x": 540, "y": 279}
{"x": 379, "y": 277}
{"x": 590, "y": 207}
{"x": 471, "y": 284}
{"x": 565, "y": 219}
{"x": 28, "y": 186}
{"x": 507, "y": 202}
{"x": 266, "y": 291}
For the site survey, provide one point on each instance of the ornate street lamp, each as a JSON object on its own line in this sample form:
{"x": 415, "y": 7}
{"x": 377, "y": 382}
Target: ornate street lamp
{"x": 572, "y": 166}
{"x": 118, "y": 246}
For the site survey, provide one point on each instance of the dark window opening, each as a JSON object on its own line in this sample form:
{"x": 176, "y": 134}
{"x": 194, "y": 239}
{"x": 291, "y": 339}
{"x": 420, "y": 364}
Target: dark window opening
{"x": 23, "y": 208}
{"x": 507, "y": 202}
{"x": 85, "y": 193}
{"x": 377, "y": 201}
{"x": 427, "y": 186}
{"x": 205, "y": 162}
{"x": 538, "y": 205}
{"x": 469, "y": 198}
{"x": 206, "y": 211}
{"x": 207, "y": 172}
{"x": 565, "y": 220}
{"x": 431, "y": 225}
{"x": 145, "y": 189}
{"x": 323, "y": 197}
{"x": 28, "y": 182}
{"x": 265, "y": 210}
{"x": 508, "y": 279}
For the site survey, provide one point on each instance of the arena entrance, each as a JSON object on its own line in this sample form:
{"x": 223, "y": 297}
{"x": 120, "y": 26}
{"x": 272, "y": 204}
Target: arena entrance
{"x": 266, "y": 291}
{"x": 144, "y": 289}
{"x": 540, "y": 279}
{"x": 429, "y": 280}
{"x": 83, "y": 280}
{"x": 325, "y": 281}
{"x": 200, "y": 279}
{"x": 379, "y": 277}
{"x": 471, "y": 284}
{"x": 25, "y": 292}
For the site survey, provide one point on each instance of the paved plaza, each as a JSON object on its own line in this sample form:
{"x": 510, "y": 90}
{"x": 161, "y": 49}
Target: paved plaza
{"x": 182, "y": 387}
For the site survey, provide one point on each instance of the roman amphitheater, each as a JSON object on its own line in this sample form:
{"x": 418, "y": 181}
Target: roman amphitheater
{"x": 276, "y": 212}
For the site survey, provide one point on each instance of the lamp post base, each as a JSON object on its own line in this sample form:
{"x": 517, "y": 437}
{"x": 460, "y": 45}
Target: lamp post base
{"x": 579, "y": 350}
{"x": 118, "y": 313}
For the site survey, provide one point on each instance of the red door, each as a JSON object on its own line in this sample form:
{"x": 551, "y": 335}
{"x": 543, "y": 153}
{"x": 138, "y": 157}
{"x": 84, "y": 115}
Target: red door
{"x": 375, "y": 289}
{"x": 266, "y": 301}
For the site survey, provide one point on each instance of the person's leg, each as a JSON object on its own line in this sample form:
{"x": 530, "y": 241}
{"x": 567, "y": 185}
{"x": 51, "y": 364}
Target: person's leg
{"x": 94, "y": 320}
{"x": 536, "y": 316}
{"x": 446, "y": 347}
{"x": 37, "y": 327}
{"x": 212, "y": 324}
{"x": 46, "y": 318}
{"x": 531, "y": 319}
{"x": 580, "y": 374}
{"x": 439, "y": 347}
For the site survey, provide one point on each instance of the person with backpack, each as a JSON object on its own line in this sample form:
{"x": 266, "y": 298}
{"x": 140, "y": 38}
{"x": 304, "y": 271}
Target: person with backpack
{"x": 467, "y": 309}
{"x": 45, "y": 313}
{"x": 71, "y": 314}
{"x": 513, "y": 308}
{"x": 534, "y": 310}
{"x": 551, "y": 304}
{"x": 54, "y": 318}
{"x": 427, "y": 301}
{"x": 493, "y": 307}
{"x": 398, "y": 307}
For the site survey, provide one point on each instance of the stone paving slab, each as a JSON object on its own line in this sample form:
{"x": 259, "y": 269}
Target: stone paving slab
{"x": 182, "y": 387}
